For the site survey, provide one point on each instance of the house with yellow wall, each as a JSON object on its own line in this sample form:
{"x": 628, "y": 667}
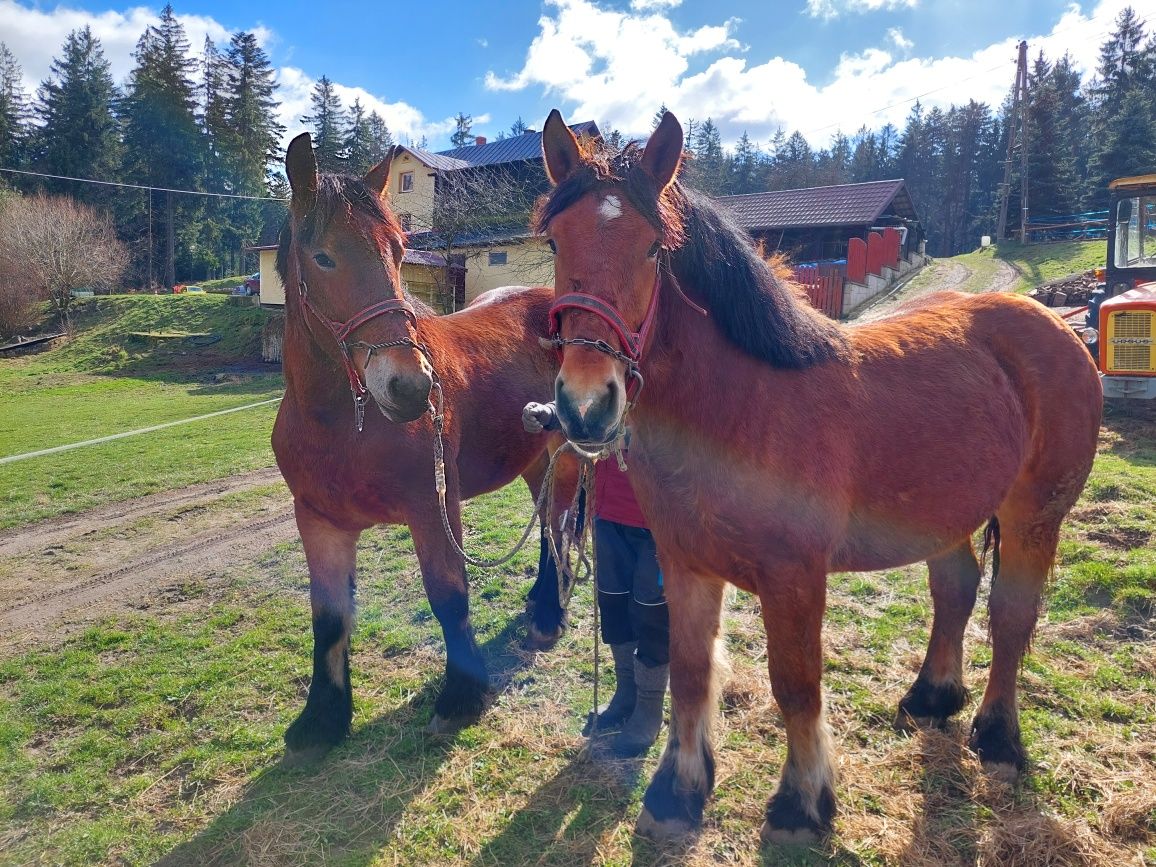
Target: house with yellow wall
{"x": 423, "y": 273}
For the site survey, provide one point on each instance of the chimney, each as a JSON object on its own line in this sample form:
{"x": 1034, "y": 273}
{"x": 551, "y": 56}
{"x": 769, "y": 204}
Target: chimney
{"x": 479, "y": 140}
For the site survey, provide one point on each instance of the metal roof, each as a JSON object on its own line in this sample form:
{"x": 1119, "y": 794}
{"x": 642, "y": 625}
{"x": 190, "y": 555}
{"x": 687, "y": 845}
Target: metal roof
{"x": 518, "y": 148}
{"x": 840, "y": 205}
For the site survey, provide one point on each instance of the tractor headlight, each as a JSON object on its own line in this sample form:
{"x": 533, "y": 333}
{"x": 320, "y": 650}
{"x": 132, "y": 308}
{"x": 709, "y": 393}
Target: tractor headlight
{"x": 1090, "y": 336}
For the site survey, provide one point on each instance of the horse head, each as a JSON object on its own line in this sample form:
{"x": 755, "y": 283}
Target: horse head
{"x": 342, "y": 270}
{"x": 607, "y": 219}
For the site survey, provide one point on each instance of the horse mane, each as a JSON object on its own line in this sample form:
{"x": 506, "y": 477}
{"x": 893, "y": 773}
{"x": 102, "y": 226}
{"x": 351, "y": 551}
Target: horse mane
{"x": 712, "y": 256}
{"x": 349, "y": 196}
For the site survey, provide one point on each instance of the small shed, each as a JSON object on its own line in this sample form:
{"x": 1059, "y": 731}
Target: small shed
{"x": 816, "y": 224}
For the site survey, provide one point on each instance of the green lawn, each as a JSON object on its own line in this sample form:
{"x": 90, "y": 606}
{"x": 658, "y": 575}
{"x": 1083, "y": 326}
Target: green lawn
{"x": 1041, "y": 263}
{"x": 154, "y": 736}
{"x": 106, "y": 381}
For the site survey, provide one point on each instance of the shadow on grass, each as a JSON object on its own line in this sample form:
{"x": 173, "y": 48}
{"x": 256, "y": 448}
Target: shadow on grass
{"x": 566, "y": 818}
{"x": 347, "y": 805}
{"x": 946, "y": 830}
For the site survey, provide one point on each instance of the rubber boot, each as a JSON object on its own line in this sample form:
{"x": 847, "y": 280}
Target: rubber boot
{"x": 641, "y": 730}
{"x": 615, "y": 712}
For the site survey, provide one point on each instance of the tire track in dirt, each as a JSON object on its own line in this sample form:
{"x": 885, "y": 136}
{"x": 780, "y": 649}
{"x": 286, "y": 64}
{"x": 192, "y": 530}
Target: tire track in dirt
{"x": 154, "y": 570}
{"x": 54, "y": 531}
{"x": 946, "y": 275}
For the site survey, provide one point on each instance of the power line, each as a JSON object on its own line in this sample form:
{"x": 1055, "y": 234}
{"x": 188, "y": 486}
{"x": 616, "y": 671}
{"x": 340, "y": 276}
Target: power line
{"x": 142, "y": 187}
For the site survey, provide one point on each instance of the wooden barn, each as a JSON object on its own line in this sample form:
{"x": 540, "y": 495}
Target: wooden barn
{"x": 848, "y": 243}
{"x": 816, "y": 224}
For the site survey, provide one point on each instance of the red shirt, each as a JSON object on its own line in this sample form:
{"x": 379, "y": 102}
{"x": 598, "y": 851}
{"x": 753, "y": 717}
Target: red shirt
{"x": 614, "y": 497}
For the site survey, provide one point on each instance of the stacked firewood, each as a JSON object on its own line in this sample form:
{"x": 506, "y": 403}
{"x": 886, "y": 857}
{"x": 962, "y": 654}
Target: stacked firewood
{"x": 1072, "y": 291}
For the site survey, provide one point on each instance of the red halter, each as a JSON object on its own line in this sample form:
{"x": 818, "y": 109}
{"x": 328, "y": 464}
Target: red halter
{"x": 342, "y": 330}
{"x": 632, "y": 342}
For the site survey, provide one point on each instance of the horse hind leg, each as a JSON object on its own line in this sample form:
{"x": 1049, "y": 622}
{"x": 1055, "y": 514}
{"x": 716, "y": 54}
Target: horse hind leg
{"x": 1027, "y": 552}
{"x": 939, "y": 692}
{"x": 544, "y": 604}
{"x": 331, "y": 554}
{"x": 467, "y": 685}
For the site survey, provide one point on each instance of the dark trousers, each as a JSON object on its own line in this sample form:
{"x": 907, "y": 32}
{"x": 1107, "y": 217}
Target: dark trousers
{"x": 631, "y": 602}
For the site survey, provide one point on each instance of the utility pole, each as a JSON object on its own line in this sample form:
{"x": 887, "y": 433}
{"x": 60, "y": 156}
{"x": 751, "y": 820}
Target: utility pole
{"x": 1017, "y": 136}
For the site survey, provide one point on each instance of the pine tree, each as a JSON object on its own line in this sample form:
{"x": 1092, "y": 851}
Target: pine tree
{"x": 708, "y": 171}
{"x": 358, "y": 144}
{"x": 463, "y": 134}
{"x": 79, "y": 134}
{"x": 252, "y": 109}
{"x": 14, "y": 111}
{"x": 795, "y": 163}
{"x": 328, "y": 121}
{"x": 658, "y": 116}
{"x": 162, "y": 139}
{"x": 518, "y": 127}
{"x": 743, "y": 176}
{"x": 381, "y": 139}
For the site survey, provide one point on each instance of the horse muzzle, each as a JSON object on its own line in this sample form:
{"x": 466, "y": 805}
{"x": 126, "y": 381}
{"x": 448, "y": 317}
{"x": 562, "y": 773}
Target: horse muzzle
{"x": 590, "y": 418}
{"x": 401, "y": 394}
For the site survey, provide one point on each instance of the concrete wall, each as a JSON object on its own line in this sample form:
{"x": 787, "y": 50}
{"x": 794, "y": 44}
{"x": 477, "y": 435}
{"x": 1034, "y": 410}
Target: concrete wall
{"x": 855, "y": 295}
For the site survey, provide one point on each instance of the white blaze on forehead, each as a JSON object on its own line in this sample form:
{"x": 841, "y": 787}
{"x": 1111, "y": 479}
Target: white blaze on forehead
{"x": 610, "y": 209}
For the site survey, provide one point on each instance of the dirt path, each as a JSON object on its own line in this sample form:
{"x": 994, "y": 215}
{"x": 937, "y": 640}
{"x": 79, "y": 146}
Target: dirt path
{"x": 60, "y": 575}
{"x": 938, "y": 276}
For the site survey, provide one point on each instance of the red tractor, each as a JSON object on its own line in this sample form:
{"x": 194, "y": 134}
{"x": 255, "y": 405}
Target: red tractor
{"x": 1120, "y": 327}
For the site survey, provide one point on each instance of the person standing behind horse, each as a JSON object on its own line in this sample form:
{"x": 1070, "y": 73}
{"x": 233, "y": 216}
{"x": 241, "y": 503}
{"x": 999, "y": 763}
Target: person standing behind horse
{"x": 631, "y": 603}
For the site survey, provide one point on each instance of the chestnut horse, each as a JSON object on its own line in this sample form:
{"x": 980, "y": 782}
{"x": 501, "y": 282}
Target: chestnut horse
{"x": 772, "y": 446}
{"x": 339, "y": 258}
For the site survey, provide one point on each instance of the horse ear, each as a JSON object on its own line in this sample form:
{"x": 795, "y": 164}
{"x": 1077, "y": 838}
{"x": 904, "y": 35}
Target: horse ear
{"x": 663, "y": 152}
{"x": 301, "y": 167}
{"x": 560, "y": 148}
{"x": 377, "y": 178}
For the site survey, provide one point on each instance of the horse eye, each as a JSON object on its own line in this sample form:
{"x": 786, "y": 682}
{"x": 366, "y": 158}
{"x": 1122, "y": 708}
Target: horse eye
{"x": 654, "y": 248}
{"x": 324, "y": 261}
{"x": 553, "y": 246}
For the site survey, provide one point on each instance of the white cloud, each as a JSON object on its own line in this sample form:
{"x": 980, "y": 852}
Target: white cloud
{"x": 618, "y": 68}
{"x": 35, "y": 36}
{"x": 899, "y": 40}
{"x": 828, "y": 9}
{"x": 644, "y": 5}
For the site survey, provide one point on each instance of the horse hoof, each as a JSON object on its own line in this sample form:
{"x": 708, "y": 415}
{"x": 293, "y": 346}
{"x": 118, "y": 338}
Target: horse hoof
{"x": 306, "y": 757}
{"x": 788, "y": 836}
{"x": 1004, "y": 772}
{"x": 537, "y": 639}
{"x": 441, "y": 726}
{"x": 665, "y": 831}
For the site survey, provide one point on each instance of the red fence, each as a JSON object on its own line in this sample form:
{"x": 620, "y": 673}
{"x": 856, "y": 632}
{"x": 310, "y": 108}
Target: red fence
{"x": 879, "y": 251}
{"x": 824, "y": 287}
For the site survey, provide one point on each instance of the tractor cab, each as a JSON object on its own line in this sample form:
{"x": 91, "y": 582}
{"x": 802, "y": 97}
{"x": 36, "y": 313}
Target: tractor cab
{"x": 1120, "y": 327}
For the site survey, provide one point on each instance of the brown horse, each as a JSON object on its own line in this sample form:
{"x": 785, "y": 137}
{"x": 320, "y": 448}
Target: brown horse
{"x": 772, "y": 446}
{"x": 339, "y": 258}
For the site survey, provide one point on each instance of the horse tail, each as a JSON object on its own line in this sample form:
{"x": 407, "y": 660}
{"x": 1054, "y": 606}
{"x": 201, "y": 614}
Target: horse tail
{"x": 991, "y": 542}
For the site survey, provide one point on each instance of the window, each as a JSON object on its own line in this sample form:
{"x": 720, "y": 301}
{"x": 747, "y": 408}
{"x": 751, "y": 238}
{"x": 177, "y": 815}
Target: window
{"x": 406, "y": 221}
{"x": 1136, "y": 232}
{"x": 498, "y": 258}
{"x": 405, "y": 182}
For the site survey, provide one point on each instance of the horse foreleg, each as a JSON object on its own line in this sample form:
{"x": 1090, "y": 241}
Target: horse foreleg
{"x": 463, "y": 695}
{"x": 938, "y": 691}
{"x": 331, "y": 553}
{"x": 675, "y": 799}
{"x": 803, "y": 807}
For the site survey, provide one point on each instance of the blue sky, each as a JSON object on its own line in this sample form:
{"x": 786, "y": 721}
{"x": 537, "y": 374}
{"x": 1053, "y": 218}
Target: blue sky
{"x": 811, "y": 65}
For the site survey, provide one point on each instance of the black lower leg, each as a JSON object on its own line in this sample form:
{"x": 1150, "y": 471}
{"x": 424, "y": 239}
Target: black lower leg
{"x": 667, "y": 799}
{"x": 935, "y": 702}
{"x": 786, "y": 811}
{"x": 542, "y": 602}
{"x": 464, "y": 694}
{"x": 995, "y": 737}
{"x": 328, "y": 712}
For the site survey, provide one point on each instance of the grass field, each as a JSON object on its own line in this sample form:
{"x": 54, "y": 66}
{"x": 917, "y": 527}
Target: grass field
{"x": 1041, "y": 263}
{"x": 106, "y": 381}
{"x": 154, "y": 736}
